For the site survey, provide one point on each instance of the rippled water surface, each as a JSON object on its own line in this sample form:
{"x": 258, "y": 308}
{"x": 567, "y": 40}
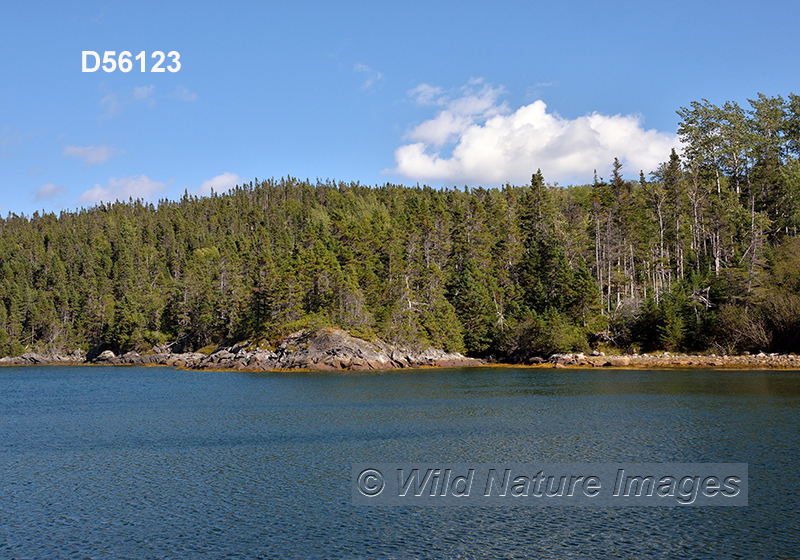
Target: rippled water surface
{"x": 137, "y": 463}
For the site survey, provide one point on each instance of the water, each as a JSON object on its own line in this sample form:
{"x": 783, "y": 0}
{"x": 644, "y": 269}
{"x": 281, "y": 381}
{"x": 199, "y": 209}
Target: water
{"x": 101, "y": 462}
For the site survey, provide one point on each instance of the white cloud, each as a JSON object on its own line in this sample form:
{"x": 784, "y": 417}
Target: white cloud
{"x": 426, "y": 94}
{"x": 144, "y": 93}
{"x": 183, "y": 94}
{"x": 220, "y": 184}
{"x": 92, "y": 155}
{"x": 373, "y": 76}
{"x": 123, "y": 189}
{"x": 492, "y": 144}
{"x": 48, "y": 191}
{"x": 459, "y": 115}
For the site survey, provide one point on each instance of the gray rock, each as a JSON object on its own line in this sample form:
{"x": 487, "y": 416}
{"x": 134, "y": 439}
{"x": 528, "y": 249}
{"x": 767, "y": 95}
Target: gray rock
{"x": 105, "y": 356}
{"x": 618, "y": 361}
{"x": 130, "y": 357}
{"x": 34, "y": 358}
{"x": 336, "y": 349}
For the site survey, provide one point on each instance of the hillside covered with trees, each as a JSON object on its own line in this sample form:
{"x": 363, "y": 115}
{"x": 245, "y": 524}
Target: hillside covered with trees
{"x": 701, "y": 254}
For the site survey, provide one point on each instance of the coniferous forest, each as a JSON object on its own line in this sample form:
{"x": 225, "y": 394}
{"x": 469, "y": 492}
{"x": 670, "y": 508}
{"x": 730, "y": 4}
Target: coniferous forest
{"x": 701, "y": 254}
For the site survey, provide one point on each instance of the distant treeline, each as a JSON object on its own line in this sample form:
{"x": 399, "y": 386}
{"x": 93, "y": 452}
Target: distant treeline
{"x": 702, "y": 254}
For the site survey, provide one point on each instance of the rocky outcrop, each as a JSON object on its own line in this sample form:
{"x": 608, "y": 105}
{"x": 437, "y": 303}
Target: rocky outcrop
{"x": 326, "y": 349}
{"x": 329, "y": 349}
{"x": 105, "y": 356}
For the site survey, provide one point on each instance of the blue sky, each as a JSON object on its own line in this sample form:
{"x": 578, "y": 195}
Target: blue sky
{"x": 443, "y": 93}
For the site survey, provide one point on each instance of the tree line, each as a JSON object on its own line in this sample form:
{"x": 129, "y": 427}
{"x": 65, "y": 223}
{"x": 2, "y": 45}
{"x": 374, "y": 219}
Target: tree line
{"x": 700, "y": 254}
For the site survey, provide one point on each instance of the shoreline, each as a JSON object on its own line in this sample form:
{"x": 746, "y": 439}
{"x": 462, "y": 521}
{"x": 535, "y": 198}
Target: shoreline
{"x": 668, "y": 360}
{"x": 333, "y": 349}
{"x": 214, "y": 362}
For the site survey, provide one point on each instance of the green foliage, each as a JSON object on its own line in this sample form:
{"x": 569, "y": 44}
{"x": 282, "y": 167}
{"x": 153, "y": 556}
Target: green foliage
{"x": 550, "y": 333}
{"x": 471, "y": 300}
{"x": 671, "y": 325}
{"x": 443, "y": 328}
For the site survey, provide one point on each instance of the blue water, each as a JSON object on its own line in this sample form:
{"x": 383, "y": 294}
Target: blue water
{"x": 101, "y": 462}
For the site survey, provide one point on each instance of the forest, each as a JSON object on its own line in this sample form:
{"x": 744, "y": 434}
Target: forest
{"x": 698, "y": 255}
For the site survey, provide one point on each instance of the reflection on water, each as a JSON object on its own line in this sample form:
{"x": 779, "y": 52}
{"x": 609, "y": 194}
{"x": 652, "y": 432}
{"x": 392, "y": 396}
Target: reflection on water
{"x": 160, "y": 463}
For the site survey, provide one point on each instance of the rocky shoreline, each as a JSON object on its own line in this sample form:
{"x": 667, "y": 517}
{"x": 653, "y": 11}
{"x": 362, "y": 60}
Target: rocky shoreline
{"x": 324, "y": 350}
{"x": 334, "y": 349}
{"x": 667, "y": 360}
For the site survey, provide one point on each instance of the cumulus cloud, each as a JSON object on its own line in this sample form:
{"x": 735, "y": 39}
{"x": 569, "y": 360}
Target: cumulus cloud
{"x": 220, "y": 184}
{"x": 373, "y": 76}
{"x": 48, "y": 191}
{"x": 492, "y": 144}
{"x": 183, "y": 94}
{"x": 92, "y": 155}
{"x": 123, "y": 189}
{"x": 459, "y": 115}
